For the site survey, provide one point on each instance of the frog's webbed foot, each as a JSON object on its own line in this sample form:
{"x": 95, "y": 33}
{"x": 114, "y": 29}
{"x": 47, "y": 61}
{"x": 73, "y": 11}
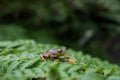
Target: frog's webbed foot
{"x": 72, "y": 61}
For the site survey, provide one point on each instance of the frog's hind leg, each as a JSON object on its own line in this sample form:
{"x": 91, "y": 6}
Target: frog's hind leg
{"x": 42, "y": 57}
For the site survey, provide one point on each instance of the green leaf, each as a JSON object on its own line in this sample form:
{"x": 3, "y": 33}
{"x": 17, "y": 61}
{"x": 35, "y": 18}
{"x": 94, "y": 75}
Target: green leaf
{"x": 113, "y": 78}
{"x": 92, "y": 76}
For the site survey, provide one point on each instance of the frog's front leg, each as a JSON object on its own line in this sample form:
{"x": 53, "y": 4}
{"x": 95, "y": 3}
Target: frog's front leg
{"x": 66, "y": 56}
{"x": 69, "y": 59}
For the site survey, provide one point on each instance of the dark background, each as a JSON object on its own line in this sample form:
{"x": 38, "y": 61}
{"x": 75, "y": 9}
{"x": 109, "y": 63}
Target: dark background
{"x": 92, "y": 26}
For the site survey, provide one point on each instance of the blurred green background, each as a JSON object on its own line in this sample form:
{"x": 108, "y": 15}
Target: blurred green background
{"x": 92, "y": 26}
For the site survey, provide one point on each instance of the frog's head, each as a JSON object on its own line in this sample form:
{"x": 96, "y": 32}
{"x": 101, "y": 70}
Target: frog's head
{"x": 62, "y": 50}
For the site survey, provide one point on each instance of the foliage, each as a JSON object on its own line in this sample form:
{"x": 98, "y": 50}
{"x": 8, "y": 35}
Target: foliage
{"x": 12, "y": 32}
{"x": 19, "y": 60}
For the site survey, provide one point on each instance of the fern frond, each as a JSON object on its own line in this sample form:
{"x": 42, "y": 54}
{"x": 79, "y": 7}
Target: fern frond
{"x": 19, "y": 60}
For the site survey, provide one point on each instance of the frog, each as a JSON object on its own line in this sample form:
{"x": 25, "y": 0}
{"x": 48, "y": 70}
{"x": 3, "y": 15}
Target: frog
{"x": 56, "y": 53}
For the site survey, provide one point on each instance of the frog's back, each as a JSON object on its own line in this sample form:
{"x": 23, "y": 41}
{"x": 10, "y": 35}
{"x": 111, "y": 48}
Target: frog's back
{"x": 52, "y": 51}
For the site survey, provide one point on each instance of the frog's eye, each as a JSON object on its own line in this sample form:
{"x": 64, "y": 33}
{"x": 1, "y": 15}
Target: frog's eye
{"x": 59, "y": 49}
